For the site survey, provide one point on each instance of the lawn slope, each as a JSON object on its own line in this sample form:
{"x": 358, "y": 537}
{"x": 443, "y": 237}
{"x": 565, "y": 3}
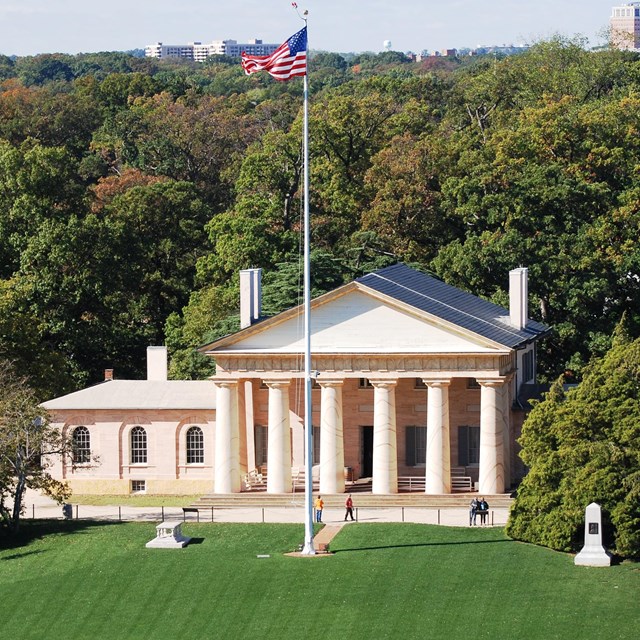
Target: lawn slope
{"x": 92, "y": 580}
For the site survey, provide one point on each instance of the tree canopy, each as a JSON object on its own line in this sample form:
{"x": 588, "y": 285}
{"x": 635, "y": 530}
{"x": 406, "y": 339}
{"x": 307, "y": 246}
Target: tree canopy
{"x": 132, "y": 191}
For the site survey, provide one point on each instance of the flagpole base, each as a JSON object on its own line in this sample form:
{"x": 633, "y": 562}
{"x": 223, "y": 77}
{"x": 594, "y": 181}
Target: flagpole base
{"x": 308, "y": 549}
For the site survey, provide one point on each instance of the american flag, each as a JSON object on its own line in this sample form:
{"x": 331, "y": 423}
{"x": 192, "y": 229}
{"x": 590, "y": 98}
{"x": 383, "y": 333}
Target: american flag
{"x": 287, "y": 61}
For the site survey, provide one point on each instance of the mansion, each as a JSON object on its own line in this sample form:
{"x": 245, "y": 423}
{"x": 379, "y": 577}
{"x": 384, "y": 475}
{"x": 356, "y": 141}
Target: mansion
{"x": 413, "y": 378}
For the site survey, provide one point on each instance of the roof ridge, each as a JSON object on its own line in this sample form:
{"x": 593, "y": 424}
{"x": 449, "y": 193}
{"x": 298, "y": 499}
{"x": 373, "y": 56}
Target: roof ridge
{"x": 503, "y": 325}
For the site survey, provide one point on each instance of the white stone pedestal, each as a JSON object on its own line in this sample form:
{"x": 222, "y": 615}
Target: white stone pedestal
{"x": 593, "y": 553}
{"x": 168, "y": 536}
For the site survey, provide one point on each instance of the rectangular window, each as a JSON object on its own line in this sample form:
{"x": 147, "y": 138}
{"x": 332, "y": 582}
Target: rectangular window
{"x": 416, "y": 446}
{"x": 420, "y": 384}
{"x": 363, "y": 383}
{"x": 472, "y": 383}
{"x": 138, "y": 486}
{"x": 468, "y": 446}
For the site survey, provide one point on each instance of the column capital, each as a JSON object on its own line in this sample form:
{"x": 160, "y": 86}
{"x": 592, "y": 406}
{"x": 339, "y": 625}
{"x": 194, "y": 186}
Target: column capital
{"x": 277, "y": 383}
{"x": 437, "y": 382}
{"x": 493, "y": 383}
{"x": 330, "y": 382}
{"x": 383, "y": 383}
{"x": 225, "y": 382}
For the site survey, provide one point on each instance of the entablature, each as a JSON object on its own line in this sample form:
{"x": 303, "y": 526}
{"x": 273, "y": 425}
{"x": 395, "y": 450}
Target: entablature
{"x": 364, "y": 366}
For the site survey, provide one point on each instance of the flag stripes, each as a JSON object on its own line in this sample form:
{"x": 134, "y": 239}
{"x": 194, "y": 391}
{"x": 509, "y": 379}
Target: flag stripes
{"x": 287, "y": 61}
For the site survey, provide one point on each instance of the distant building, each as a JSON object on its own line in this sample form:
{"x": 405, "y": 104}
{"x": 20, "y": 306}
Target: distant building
{"x": 625, "y": 26}
{"x": 200, "y": 52}
{"x": 160, "y": 50}
{"x": 502, "y": 50}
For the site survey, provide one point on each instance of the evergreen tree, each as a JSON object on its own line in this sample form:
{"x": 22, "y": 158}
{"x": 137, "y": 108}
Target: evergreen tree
{"x": 583, "y": 446}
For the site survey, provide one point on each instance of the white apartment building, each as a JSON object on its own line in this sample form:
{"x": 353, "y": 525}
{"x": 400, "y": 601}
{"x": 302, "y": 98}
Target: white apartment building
{"x": 200, "y": 52}
{"x": 160, "y": 50}
{"x": 625, "y": 26}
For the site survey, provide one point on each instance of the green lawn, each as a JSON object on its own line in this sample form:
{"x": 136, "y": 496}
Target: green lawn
{"x": 137, "y": 500}
{"x": 90, "y": 580}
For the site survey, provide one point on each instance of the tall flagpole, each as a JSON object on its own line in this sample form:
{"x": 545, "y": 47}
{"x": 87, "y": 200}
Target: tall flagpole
{"x": 308, "y": 548}
{"x": 283, "y": 64}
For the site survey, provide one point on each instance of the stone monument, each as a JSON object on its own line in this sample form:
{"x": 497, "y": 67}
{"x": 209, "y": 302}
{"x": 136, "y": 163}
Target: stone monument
{"x": 593, "y": 553}
{"x": 168, "y": 536}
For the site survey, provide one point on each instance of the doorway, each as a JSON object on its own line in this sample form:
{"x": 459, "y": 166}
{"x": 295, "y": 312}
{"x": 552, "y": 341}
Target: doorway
{"x": 366, "y": 452}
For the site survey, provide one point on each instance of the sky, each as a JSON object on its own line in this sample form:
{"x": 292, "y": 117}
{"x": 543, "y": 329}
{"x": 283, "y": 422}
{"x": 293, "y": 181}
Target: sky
{"x": 28, "y": 27}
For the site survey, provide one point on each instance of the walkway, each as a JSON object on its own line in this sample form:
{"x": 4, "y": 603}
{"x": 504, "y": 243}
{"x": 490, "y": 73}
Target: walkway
{"x": 322, "y": 540}
{"x": 41, "y": 507}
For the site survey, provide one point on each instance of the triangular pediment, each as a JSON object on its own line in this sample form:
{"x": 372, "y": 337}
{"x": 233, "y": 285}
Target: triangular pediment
{"x": 355, "y": 320}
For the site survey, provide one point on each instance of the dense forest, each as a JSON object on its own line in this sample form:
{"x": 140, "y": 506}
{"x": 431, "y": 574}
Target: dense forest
{"x": 132, "y": 191}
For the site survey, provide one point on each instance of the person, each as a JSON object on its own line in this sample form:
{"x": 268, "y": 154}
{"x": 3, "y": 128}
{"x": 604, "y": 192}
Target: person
{"x": 319, "y": 504}
{"x": 349, "y": 506}
{"x": 473, "y": 510}
{"x": 483, "y": 508}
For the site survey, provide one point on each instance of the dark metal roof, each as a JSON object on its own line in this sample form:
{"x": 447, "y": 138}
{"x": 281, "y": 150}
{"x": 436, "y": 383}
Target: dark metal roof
{"x": 453, "y": 305}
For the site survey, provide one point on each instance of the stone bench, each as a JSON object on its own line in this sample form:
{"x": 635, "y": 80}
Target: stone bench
{"x": 169, "y": 536}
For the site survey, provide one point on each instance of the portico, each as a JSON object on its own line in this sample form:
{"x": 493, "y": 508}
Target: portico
{"x": 430, "y": 370}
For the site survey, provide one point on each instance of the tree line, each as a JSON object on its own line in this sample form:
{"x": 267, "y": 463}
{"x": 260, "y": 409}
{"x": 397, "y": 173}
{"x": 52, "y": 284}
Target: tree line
{"x": 133, "y": 190}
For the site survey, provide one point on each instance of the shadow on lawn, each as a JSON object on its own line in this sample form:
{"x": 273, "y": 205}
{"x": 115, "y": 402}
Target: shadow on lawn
{"x": 420, "y": 544}
{"x": 31, "y": 530}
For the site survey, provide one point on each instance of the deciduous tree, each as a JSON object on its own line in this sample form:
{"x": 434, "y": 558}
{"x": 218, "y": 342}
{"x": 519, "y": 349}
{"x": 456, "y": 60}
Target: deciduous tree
{"x": 27, "y": 444}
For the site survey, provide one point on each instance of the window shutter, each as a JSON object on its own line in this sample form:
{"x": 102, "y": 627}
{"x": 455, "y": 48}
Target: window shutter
{"x": 410, "y": 449}
{"x": 463, "y": 446}
{"x": 260, "y": 437}
{"x": 316, "y": 445}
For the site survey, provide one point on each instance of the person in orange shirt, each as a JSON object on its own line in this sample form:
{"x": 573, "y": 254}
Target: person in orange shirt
{"x": 318, "y": 504}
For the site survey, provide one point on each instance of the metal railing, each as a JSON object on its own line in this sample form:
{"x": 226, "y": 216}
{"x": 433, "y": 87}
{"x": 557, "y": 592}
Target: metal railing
{"x": 453, "y": 516}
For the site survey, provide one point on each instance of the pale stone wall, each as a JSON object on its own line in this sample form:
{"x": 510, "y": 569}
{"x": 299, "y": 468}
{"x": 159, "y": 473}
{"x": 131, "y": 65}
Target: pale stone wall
{"x": 166, "y": 470}
{"x": 123, "y": 487}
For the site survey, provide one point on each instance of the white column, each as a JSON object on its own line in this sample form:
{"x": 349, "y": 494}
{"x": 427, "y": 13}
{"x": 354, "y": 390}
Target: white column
{"x": 506, "y": 434}
{"x": 385, "y": 459}
{"x": 331, "y": 437}
{"x": 491, "y": 472}
{"x": 249, "y": 425}
{"x": 279, "y": 438}
{"x": 438, "y": 462}
{"x": 227, "y": 452}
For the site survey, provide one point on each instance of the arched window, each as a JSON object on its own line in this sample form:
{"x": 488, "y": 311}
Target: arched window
{"x": 138, "y": 445}
{"x": 81, "y": 444}
{"x": 195, "y": 445}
